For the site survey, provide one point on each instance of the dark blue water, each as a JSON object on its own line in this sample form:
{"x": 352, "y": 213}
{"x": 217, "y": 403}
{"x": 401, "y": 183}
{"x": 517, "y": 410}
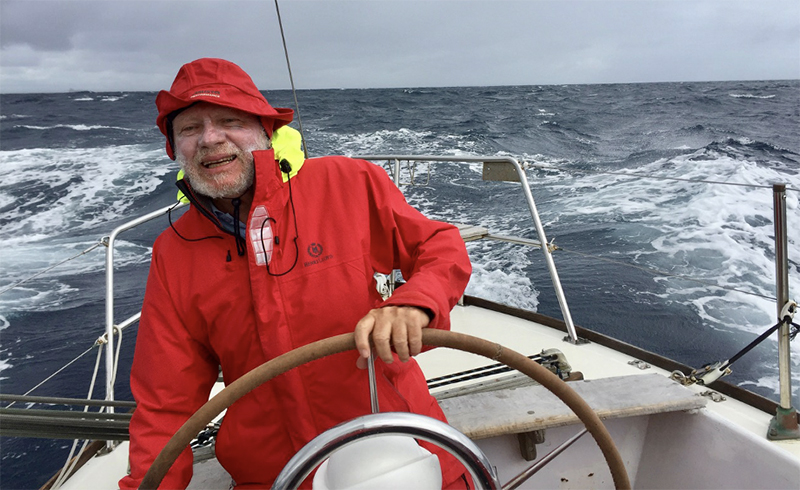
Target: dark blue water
{"x": 76, "y": 165}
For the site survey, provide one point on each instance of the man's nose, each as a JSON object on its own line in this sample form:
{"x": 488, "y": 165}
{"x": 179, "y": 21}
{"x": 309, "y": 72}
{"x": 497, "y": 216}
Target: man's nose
{"x": 211, "y": 135}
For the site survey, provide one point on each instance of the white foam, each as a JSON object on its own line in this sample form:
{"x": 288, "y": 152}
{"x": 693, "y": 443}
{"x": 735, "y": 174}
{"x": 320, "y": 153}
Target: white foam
{"x": 716, "y": 233}
{"x": 3, "y": 366}
{"x": 772, "y": 383}
{"x": 403, "y": 139}
{"x": 91, "y": 188}
{"x": 95, "y": 184}
{"x": 502, "y": 286}
{"x": 751, "y": 96}
{"x": 76, "y": 127}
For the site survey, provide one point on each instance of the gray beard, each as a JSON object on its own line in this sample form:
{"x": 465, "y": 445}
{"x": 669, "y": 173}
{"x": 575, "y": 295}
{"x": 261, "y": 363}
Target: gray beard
{"x": 211, "y": 188}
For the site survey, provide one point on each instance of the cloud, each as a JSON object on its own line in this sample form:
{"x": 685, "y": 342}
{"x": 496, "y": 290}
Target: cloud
{"x": 54, "y": 45}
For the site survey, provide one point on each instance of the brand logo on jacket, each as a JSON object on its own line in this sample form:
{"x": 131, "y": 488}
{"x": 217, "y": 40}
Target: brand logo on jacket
{"x": 315, "y": 252}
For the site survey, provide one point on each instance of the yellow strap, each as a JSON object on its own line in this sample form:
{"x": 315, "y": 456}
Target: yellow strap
{"x": 288, "y": 145}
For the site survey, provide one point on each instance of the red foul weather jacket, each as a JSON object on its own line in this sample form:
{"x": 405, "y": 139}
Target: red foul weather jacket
{"x": 207, "y": 306}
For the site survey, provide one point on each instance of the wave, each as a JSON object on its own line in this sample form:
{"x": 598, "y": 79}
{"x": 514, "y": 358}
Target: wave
{"x": 55, "y": 203}
{"x": 403, "y": 140}
{"x": 101, "y": 98}
{"x": 3, "y": 366}
{"x": 76, "y": 127}
{"x": 751, "y": 96}
{"x": 761, "y": 152}
{"x": 716, "y": 233}
{"x": 60, "y": 192}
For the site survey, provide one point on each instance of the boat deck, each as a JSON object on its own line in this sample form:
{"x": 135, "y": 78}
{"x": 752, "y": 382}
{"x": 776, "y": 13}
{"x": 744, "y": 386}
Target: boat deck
{"x": 592, "y": 360}
{"x": 626, "y": 397}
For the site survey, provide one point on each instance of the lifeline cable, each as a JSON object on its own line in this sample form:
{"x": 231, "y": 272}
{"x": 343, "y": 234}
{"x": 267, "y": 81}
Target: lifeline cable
{"x": 65, "y": 366}
{"x": 656, "y": 177}
{"x": 23, "y": 281}
{"x": 658, "y": 272}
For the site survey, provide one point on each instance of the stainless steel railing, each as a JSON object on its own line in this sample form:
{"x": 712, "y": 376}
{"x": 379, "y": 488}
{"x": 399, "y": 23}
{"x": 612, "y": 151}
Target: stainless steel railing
{"x": 395, "y": 161}
{"x": 110, "y": 325}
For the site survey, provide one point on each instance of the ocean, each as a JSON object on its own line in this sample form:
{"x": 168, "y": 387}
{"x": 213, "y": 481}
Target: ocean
{"x": 76, "y": 165}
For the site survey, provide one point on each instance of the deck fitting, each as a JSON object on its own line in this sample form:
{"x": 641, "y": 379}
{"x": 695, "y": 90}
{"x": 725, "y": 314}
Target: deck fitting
{"x": 784, "y": 425}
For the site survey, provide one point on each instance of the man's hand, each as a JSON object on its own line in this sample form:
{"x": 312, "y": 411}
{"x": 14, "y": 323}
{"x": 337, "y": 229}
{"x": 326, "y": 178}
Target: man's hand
{"x": 392, "y": 326}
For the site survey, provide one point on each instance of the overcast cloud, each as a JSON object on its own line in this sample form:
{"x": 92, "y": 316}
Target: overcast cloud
{"x": 116, "y": 45}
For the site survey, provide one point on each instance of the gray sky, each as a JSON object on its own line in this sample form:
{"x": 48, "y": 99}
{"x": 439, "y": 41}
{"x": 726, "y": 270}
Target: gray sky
{"x": 111, "y": 45}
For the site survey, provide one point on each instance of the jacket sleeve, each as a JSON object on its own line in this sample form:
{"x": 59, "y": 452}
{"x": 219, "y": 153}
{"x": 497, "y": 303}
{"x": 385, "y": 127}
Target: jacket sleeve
{"x": 430, "y": 254}
{"x": 171, "y": 378}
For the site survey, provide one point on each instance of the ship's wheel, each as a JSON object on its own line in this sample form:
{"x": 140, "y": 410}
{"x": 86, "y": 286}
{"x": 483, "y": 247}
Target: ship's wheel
{"x": 417, "y": 426}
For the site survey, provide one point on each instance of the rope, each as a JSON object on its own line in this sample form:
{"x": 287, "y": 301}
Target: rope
{"x": 18, "y": 283}
{"x": 658, "y": 272}
{"x": 116, "y": 357}
{"x": 69, "y": 465}
{"x": 345, "y": 342}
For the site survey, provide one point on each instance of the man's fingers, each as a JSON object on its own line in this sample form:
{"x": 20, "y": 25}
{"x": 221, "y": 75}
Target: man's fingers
{"x": 362, "y": 333}
{"x": 415, "y": 340}
{"x": 382, "y": 339}
{"x": 400, "y": 341}
{"x": 374, "y": 326}
{"x": 392, "y": 326}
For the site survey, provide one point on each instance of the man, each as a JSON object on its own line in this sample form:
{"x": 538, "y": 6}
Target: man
{"x": 273, "y": 255}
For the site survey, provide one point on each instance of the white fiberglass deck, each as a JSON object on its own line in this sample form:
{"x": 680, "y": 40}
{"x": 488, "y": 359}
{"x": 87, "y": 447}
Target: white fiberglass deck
{"x": 678, "y": 446}
{"x": 719, "y": 446}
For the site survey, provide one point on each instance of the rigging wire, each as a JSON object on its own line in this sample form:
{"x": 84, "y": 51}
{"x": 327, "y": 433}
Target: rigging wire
{"x": 65, "y": 366}
{"x": 656, "y": 177}
{"x": 23, "y": 281}
{"x": 658, "y": 272}
{"x": 291, "y": 80}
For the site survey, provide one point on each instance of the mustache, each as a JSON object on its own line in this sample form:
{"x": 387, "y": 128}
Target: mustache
{"x": 227, "y": 148}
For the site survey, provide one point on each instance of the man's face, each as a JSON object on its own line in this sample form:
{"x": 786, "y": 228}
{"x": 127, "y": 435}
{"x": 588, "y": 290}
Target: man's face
{"x": 214, "y": 146}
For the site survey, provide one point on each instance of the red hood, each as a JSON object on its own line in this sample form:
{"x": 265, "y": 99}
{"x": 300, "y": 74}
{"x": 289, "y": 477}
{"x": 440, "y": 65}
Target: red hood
{"x": 220, "y": 82}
